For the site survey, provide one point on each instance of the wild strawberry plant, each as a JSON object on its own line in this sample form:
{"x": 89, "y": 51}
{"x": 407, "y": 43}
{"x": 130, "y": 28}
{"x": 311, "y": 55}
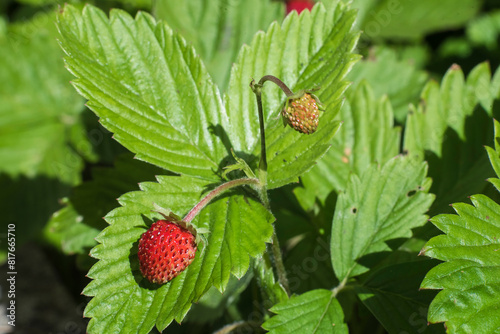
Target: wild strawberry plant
{"x": 152, "y": 91}
{"x": 246, "y": 224}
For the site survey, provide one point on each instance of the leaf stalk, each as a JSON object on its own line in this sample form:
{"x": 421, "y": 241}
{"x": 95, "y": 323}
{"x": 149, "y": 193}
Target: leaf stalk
{"x": 216, "y": 192}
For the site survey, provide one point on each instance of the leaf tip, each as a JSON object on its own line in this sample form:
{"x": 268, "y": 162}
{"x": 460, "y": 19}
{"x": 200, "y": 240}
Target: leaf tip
{"x": 422, "y": 252}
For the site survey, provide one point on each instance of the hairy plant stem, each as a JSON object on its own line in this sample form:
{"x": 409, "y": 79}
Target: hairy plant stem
{"x": 216, "y": 192}
{"x": 276, "y": 250}
{"x": 278, "y": 82}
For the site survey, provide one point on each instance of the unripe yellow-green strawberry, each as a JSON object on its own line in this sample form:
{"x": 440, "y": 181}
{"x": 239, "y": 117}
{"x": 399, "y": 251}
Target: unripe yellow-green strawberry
{"x": 165, "y": 250}
{"x": 302, "y": 112}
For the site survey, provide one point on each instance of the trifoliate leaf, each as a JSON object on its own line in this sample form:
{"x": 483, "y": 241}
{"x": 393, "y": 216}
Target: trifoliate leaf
{"x": 392, "y": 294}
{"x": 381, "y": 205}
{"x": 218, "y": 29}
{"x": 306, "y": 51}
{"x": 126, "y": 302}
{"x": 368, "y": 135}
{"x": 152, "y": 91}
{"x": 316, "y": 311}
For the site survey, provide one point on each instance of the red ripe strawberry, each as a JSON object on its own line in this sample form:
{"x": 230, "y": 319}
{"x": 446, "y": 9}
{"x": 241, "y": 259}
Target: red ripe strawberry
{"x": 165, "y": 250}
{"x": 299, "y": 5}
{"x": 301, "y": 112}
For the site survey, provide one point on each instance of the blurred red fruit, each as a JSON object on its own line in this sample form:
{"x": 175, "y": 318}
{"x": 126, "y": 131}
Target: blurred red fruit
{"x": 299, "y": 5}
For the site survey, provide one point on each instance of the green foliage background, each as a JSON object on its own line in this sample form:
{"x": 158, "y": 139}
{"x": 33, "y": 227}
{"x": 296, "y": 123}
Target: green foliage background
{"x": 348, "y": 207}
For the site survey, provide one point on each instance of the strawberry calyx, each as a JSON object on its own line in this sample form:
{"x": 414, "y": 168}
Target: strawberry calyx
{"x": 197, "y": 232}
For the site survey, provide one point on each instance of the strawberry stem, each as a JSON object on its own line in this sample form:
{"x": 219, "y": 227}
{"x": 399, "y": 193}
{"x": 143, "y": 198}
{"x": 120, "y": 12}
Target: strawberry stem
{"x": 276, "y": 250}
{"x": 278, "y": 82}
{"x": 216, "y": 192}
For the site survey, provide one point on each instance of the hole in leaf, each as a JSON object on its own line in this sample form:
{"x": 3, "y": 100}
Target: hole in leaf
{"x": 411, "y": 193}
{"x": 354, "y": 211}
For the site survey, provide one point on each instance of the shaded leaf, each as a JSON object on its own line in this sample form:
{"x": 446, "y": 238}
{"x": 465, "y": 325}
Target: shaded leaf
{"x": 308, "y": 263}
{"x": 316, "y": 311}
{"x": 75, "y": 227}
{"x": 449, "y": 130}
{"x": 214, "y": 304}
{"x": 67, "y": 231}
{"x": 42, "y": 140}
{"x": 392, "y": 294}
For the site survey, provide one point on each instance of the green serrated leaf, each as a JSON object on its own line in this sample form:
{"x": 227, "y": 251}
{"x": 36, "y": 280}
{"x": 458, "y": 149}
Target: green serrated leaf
{"x": 469, "y": 300}
{"x": 392, "y": 294}
{"x": 219, "y": 28}
{"x": 483, "y": 87}
{"x": 306, "y": 51}
{"x": 469, "y": 279}
{"x": 449, "y": 131}
{"x": 381, "y": 205}
{"x": 126, "y": 302}
{"x": 146, "y": 84}
{"x": 368, "y": 135}
{"x": 446, "y": 106}
{"x": 316, "y": 311}
{"x": 148, "y": 87}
